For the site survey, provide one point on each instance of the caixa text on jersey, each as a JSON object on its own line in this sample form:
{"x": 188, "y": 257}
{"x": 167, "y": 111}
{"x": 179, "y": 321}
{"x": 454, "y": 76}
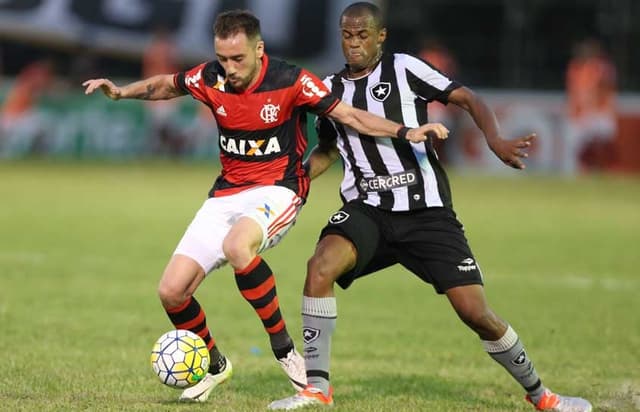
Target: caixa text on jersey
{"x": 250, "y": 147}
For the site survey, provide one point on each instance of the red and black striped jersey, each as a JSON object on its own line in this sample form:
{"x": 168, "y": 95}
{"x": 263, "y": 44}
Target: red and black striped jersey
{"x": 262, "y": 130}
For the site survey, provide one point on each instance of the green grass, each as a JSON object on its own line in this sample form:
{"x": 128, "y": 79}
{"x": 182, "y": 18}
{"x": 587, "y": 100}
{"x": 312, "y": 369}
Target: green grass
{"x": 82, "y": 246}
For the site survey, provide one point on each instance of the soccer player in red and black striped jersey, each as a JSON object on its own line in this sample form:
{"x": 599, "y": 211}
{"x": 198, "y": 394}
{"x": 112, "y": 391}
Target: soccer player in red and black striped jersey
{"x": 260, "y": 105}
{"x": 398, "y": 208}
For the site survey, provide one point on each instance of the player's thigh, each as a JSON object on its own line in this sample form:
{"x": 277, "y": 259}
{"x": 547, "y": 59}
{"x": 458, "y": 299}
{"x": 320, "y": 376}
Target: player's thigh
{"x": 244, "y": 238}
{"x": 202, "y": 241}
{"x": 364, "y": 229}
{"x": 436, "y": 250}
{"x": 274, "y": 208}
{"x": 181, "y": 276}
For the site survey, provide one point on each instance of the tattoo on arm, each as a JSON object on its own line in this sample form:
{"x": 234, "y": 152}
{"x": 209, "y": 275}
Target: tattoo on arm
{"x": 146, "y": 95}
{"x": 155, "y": 88}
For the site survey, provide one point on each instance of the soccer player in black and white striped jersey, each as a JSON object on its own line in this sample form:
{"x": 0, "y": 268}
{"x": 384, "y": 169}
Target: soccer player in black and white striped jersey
{"x": 398, "y": 209}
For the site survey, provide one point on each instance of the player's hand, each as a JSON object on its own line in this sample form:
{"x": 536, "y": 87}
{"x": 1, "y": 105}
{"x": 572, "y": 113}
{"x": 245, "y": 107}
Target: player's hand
{"x": 108, "y": 88}
{"x": 512, "y": 151}
{"x": 422, "y": 133}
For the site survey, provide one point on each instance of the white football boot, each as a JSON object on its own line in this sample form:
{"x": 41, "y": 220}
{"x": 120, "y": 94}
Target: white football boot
{"x": 310, "y": 396}
{"x": 293, "y": 366}
{"x": 558, "y": 403}
{"x": 200, "y": 391}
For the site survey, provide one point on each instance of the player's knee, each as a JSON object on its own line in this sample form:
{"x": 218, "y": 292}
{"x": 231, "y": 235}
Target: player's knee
{"x": 476, "y": 319}
{"x": 170, "y": 295}
{"x": 320, "y": 275}
{"x": 483, "y": 321}
{"x": 237, "y": 253}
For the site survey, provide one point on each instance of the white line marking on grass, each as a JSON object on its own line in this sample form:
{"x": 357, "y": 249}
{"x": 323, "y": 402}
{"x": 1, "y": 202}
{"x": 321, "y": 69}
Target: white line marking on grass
{"x": 611, "y": 283}
{"x": 575, "y": 281}
{"x": 34, "y": 257}
{"x": 22, "y": 256}
{"x": 627, "y": 396}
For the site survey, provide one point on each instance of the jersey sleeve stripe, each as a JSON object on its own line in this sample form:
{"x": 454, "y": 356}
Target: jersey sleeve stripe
{"x": 178, "y": 82}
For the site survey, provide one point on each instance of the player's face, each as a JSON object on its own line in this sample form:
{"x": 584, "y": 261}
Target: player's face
{"x": 361, "y": 42}
{"x": 240, "y": 58}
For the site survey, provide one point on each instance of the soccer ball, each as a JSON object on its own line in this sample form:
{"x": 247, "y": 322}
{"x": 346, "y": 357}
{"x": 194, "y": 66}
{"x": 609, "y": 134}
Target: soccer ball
{"x": 180, "y": 358}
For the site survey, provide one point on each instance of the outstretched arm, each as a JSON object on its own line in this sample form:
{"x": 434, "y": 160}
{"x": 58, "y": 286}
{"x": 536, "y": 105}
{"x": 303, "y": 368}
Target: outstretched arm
{"x": 372, "y": 125}
{"x": 158, "y": 87}
{"x": 509, "y": 151}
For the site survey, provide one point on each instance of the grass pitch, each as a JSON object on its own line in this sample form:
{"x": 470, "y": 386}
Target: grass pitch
{"x": 82, "y": 247}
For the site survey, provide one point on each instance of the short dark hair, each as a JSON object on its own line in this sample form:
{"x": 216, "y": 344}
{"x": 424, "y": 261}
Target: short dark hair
{"x": 232, "y": 22}
{"x": 362, "y": 8}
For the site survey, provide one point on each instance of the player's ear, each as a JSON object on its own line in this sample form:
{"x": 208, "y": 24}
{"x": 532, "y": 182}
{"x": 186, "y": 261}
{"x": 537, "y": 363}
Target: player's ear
{"x": 382, "y": 35}
{"x": 259, "y": 48}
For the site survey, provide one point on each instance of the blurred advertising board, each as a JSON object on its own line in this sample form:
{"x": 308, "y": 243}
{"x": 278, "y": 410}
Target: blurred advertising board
{"x": 544, "y": 113}
{"x": 79, "y": 126}
{"x": 125, "y": 27}
{"x": 74, "y": 125}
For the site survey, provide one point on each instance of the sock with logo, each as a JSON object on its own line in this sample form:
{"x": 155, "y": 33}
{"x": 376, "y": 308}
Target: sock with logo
{"x": 509, "y": 352}
{"x": 319, "y": 321}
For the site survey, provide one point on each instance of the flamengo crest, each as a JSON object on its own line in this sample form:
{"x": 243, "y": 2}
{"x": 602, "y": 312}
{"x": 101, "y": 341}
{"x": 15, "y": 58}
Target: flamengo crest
{"x": 380, "y": 91}
{"x": 269, "y": 113}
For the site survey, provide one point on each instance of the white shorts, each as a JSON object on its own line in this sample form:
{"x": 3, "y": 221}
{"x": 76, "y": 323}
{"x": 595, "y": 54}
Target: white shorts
{"x": 274, "y": 208}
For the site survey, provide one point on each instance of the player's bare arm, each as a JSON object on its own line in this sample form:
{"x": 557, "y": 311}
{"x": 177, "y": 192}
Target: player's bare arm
{"x": 158, "y": 87}
{"x": 372, "y": 125}
{"x": 323, "y": 155}
{"x": 509, "y": 151}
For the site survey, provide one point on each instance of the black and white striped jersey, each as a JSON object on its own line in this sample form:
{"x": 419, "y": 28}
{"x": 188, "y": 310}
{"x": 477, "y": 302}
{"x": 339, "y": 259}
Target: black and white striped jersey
{"x": 389, "y": 173}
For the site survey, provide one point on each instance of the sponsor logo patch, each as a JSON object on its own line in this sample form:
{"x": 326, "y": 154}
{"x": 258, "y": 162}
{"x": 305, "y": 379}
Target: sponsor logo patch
{"x": 268, "y": 212}
{"x": 467, "y": 265}
{"x": 386, "y": 183}
{"x": 309, "y": 88}
{"x": 193, "y": 80}
{"x": 220, "y": 83}
{"x": 248, "y": 147}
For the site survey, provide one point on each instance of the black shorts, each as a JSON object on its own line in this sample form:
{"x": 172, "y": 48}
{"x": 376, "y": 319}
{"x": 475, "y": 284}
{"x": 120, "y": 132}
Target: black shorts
{"x": 429, "y": 242}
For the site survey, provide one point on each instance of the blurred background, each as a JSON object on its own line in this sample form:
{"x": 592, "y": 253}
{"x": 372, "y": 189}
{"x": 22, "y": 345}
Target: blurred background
{"x": 568, "y": 70}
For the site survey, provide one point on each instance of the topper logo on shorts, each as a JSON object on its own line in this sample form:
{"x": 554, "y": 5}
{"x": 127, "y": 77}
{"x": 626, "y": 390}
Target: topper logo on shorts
{"x": 380, "y": 91}
{"x": 338, "y": 217}
{"x": 467, "y": 265}
{"x": 248, "y": 147}
{"x": 310, "y": 334}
